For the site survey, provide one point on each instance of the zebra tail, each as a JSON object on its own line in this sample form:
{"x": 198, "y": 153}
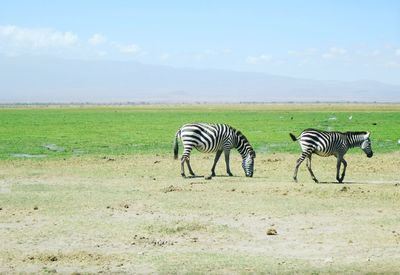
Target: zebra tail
{"x": 176, "y": 145}
{"x": 294, "y": 138}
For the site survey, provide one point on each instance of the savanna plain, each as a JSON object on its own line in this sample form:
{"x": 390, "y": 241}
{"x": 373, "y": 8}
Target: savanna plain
{"x": 95, "y": 189}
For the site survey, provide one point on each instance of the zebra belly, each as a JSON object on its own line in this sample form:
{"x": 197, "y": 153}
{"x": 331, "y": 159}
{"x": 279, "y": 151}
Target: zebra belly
{"x": 203, "y": 149}
{"x": 322, "y": 153}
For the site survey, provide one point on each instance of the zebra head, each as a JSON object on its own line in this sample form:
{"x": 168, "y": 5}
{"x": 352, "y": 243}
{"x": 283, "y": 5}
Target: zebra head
{"x": 248, "y": 163}
{"x": 366, "y": 146}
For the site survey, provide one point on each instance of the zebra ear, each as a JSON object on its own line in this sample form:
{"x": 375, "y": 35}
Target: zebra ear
{"x": 367, "y": 135}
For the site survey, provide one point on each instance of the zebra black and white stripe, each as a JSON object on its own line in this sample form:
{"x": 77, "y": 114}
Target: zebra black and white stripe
{"x": 326, "y": 144}
{"x": 214, "y": 138}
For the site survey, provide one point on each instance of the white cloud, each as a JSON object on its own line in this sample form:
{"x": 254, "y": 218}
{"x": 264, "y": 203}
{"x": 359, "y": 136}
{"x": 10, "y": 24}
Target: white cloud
{"x": 128, "y": 48}
{"x": 227, "y": 51}
{"x": 36, "y": 37}
{"x": 16, "y": 40}
{"x": 205, "y": 54}
{"x": 375, "y": 53}
{"x": 393, "y": 64}
{"x": 210, "y": 53}
{"x": 368, "y": 53}
{"x": 253, "y": 60}
{"x": 397, "y": 52}
{"x": 334, "y": 52}
{"x": 101, "y": 53}
{"x": 97, "y": 39}
{"x": 303, "y": 53}
{"x": 165, "y": 56}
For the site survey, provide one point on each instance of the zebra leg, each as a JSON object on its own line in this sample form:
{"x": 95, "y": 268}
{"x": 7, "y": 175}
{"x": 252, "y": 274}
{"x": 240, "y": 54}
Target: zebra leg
{"x": 190, "y": 168}
{"x": 338, "y": 164}
{"x": 186, "y": 158}
{"x": 183, "y": 160}
{"x": 303, "y": 156}
{"x": 308, "y": 164}
{"x": 344, "y": 170}
{"x": 228, "y": 169}
{"x": 215, "y": 162}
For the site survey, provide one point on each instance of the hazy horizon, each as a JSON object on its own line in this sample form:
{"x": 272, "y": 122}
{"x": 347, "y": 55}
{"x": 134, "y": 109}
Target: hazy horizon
{"x": 271, "y": 51}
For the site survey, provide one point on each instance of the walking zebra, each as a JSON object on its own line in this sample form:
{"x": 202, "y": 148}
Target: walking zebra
{"x": 325, "y": 144}
{"x": 217, "y": 138}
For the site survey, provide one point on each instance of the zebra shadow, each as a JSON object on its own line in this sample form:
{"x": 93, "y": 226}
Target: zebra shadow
{"x": 341, "y": 183}
{"x": 194, "y": 177}
{"x": 207, "y": 176}
{"x": 226, "y": 176}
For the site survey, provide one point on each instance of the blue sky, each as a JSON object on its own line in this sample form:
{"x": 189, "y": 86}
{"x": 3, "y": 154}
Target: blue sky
{"x": 339, "y": 40}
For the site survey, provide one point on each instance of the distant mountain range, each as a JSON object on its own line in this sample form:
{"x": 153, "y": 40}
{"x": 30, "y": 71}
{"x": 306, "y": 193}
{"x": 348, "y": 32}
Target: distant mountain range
{"x": 37, "y": 79}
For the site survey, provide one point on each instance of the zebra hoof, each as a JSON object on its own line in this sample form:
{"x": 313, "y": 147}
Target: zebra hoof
{"x": 208, "y": 178}
{"x": 295, "y": 180}
{"x": 315, "y": 180}
{"x": 183, "y": 175}
{"x": 230, "y": 174}
{"x": 212, "y": 174}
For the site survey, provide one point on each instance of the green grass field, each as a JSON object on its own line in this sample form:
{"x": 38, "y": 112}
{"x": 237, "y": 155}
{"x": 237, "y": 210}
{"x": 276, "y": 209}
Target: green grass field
{"x": 66, "y": 208}
{"x": 68, "y": 131}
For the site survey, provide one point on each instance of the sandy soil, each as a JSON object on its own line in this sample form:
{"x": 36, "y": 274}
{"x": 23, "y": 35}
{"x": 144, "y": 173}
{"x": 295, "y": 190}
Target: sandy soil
{"x": 137, "y": 215}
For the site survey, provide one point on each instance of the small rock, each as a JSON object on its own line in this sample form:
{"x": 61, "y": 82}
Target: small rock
{"x": 272, "y": 231}
{"x": 195, "y": 239}
{"x": 171, "y": 188}
{"x": 53, "y": 258}
{"x": 35, "y": 207}
{"x": 126, "y": 205}
{"x": 344, "y": 189}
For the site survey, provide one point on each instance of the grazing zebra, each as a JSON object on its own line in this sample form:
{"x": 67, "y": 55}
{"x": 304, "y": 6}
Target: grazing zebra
{"x": 217, "y": 138}
{"x": 326, "y": 144}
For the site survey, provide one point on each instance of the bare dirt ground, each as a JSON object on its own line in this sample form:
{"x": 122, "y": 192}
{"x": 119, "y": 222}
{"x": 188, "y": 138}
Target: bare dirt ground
{"x": 135, "y": 214}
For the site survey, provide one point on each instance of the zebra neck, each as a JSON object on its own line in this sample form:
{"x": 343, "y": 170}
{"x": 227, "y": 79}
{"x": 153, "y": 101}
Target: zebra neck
{"x": 242, "y": 145}
{"x": 355, "y": 140}
{"x": 243, "y": 152}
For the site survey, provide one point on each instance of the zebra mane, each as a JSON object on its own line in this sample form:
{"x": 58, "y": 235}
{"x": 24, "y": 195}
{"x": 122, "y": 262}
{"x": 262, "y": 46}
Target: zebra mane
{"x": 242, "y": 137}
{"x": 355, "y": 139}
{"x": 356, "y": 133}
